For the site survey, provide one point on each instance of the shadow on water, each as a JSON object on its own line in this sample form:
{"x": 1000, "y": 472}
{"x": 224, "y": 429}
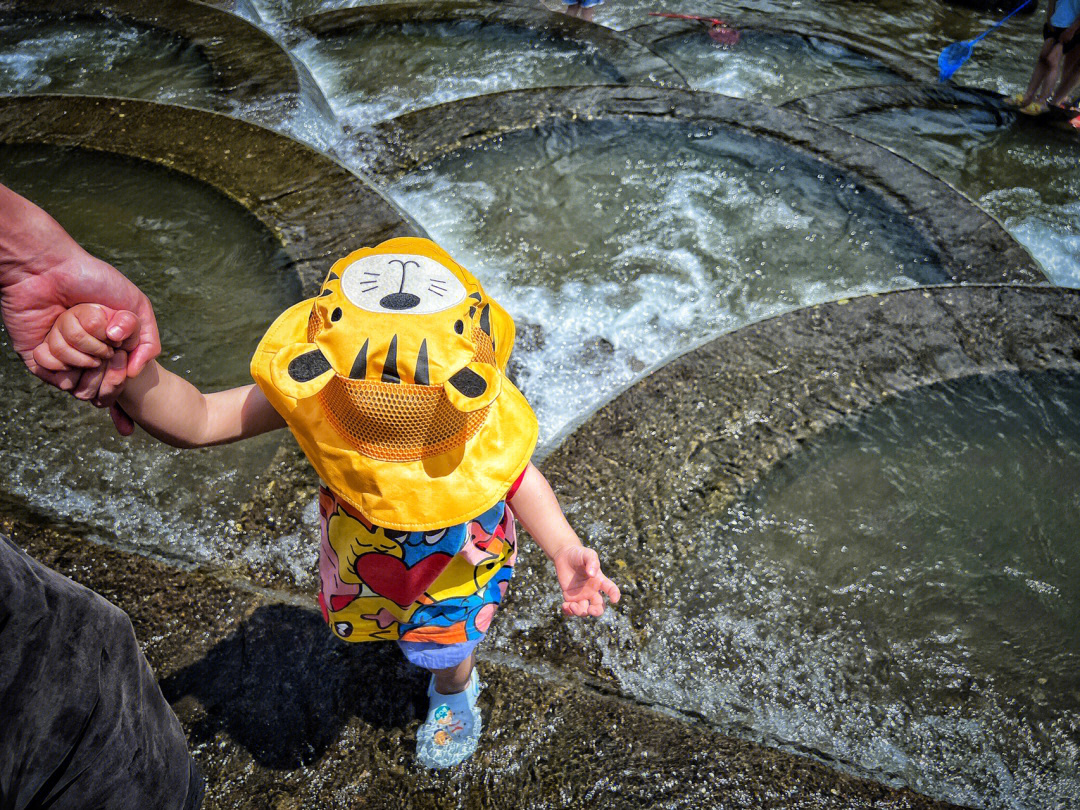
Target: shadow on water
{"x": 282, "y": 687}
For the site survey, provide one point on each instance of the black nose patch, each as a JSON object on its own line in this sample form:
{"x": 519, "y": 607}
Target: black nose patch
{"x": 469, "y": 383}
{"x": 399, "y": 300}
{"x": 308, "y": 366}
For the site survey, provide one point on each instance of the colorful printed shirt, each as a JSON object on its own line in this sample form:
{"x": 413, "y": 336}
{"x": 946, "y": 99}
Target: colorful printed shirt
{"x": 440, "y": 586}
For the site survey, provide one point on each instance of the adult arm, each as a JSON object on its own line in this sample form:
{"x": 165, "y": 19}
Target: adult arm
{"x": 43, "y": 272}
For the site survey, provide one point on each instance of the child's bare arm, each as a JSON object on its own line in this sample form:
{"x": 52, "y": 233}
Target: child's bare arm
{"x": 167, "y": 407}
{"x": 174, "y": 411}
{"x": 578, "y": 568}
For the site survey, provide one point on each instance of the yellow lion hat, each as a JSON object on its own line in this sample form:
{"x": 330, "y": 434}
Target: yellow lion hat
{"x": 393, "y": 381}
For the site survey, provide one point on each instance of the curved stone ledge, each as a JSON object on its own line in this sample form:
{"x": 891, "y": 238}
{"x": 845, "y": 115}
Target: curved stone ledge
{"x": 635, "y": 63}
{"x": 837, "y": 105}
{"x": 652, "y": 34}
{"x": 252, "y": 70}
{"x": 317, "y": 208}
{"x": 964, "y": 235}
{"x": 274, "y": 705}
{"x": 697, "y": 432}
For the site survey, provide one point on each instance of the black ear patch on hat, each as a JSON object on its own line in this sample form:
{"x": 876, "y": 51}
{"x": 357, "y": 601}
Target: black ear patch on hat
{"x": 469, "y": 383}
{"x": 485, "y": 319}
{"x": 308, "y": 366}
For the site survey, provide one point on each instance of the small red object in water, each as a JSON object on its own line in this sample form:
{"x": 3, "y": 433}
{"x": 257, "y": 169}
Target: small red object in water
{"x": 718, "y": 29}
{"x": 724, "y": 36}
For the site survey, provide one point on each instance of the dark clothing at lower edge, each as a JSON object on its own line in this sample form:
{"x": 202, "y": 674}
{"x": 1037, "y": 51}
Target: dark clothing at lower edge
{"x": 84, "y": 724}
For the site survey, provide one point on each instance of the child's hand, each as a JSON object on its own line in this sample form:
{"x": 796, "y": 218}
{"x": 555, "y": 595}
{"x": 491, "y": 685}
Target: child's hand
{"x": 583, "y": 583}
{"x": 90, "y": 339}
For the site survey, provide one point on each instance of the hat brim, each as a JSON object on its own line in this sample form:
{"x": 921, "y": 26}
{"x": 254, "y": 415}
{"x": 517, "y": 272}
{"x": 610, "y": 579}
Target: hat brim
{"x": 432, "y": 493}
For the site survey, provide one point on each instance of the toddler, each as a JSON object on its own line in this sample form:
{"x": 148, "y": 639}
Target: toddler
{"x": 392, "y": 381}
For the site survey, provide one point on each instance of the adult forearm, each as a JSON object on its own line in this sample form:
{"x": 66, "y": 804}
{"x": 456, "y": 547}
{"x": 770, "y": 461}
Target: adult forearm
{"x": 31, "y": 241}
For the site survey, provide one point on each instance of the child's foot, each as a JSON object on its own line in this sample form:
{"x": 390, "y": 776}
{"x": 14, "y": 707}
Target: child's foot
{"x": 1015, "y": 101}
{"x": 1034, "y": 108}
{"x": 452, "y": 728}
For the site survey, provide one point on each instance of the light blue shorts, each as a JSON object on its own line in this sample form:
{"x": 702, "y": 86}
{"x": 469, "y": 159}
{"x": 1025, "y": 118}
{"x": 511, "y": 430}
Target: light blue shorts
{"x": 583, "y": 3}
{"x": 432, "y": 655}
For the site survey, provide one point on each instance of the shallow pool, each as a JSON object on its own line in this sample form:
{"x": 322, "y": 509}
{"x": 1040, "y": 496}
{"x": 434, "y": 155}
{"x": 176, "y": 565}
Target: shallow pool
{"x": 902, "y": 596}
{"x": 1003, "y": 62}
{"x": 1021, "y": 171}
{"x": 102, "y": 56}
{"x": 617, "y": 245}
{"x": 380, "y": 71}
{"x": 218, "y": 278}
{"x": 770, "y": 67}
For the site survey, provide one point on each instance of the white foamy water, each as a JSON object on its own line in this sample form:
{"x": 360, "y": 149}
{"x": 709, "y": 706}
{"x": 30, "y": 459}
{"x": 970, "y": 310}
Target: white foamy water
{"x": 617, "y": 246}
{"x": 381, "y": 71}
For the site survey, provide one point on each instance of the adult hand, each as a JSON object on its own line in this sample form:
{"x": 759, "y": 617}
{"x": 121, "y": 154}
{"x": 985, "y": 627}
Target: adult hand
{"x": 43, "y": 272}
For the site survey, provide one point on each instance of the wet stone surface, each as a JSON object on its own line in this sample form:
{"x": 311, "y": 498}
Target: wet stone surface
{"x": 279, "y": 714}
{"x": 651, "y": 474}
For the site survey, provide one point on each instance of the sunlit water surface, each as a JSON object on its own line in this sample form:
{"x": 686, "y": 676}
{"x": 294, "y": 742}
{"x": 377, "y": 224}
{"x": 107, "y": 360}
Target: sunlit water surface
{"x": 1023, "y": 172}
{"x": 102, "y": 56}
{"x": 616, "y": 245}
{"x": 903, "y": 596}
{"x": 1003, "y": 62}
{"x": 769, "y": 67}
{"x": 381, "y": 71}
{"x": 217, "y": 278}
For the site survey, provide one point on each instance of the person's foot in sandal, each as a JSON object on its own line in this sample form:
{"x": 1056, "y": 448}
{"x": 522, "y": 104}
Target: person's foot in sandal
{"x": 452, "y": 728}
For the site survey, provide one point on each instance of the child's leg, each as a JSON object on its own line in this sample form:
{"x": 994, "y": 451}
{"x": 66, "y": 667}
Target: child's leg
{"x": 453, "y": 679}
{"x": 452, "y": 728}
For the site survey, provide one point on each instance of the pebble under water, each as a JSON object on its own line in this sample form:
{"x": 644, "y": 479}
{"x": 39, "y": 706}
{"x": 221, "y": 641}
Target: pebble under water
{"x": 901, "y": 597}
{"x": 217, "y": 278}
{"x": 618, "y": 245}
{"x": 770, "y": 67}
{"x": 102, "y": 56}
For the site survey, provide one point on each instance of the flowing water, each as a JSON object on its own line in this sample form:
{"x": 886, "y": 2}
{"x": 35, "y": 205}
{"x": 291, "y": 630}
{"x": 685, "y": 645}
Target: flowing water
{"x": 770, "y": 67}
{"x": 381, "y": 71}
{"x": 1021, "y": 171}
{"x": 217, "y": 278}
{"x": 102, "y": 56}
{"x": 617, "y": 245}
{"x": 1002, "y": 62}
{"x": 902, "y": 597}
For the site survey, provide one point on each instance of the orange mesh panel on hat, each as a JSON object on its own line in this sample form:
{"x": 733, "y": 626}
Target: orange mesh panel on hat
{"x": 399, "y": 421}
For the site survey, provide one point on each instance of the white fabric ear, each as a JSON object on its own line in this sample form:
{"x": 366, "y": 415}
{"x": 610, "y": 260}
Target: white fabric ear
{"x": 473, "y": 387}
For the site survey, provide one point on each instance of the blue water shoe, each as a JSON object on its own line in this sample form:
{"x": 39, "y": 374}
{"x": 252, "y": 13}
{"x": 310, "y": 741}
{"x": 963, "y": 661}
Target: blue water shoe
{"x": 452, "y": 728}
